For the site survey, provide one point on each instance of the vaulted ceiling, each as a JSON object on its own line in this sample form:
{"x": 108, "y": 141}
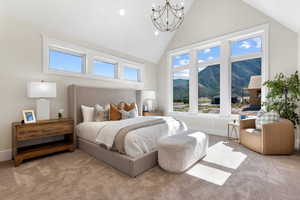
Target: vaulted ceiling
{"x": 98, "y": 22}
{"x": 284, "y": 11}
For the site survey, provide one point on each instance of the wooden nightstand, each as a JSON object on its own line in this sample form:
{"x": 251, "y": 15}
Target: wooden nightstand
{"x": 41, "y": 129}
{"x": 152, "y": 113}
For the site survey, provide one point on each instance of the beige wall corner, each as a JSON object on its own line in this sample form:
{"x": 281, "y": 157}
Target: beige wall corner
{"x": 299, "y": 51}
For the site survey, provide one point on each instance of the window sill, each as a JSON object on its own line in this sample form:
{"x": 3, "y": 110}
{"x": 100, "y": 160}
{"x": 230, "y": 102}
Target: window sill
{"x": 95, "y": 77}
{"x": 203, "y": 115}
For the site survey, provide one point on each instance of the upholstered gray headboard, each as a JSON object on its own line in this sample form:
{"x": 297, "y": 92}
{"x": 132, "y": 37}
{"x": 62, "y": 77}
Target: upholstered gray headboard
{"x": 89, "y": 96}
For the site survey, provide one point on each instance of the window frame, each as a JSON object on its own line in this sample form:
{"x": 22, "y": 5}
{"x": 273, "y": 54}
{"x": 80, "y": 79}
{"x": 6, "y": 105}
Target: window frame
{"x": 129, "y": 66}
{"x": 172, "y": 89}
{"x": 70, "y": 52}
{"x": 89, "y": 57}
{"x": 225, "y": 62}
{"x": 108, "y": 61}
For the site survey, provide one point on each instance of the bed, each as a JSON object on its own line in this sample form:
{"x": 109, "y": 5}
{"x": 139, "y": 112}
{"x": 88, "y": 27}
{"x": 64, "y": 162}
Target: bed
{"x": 140, "y": 152}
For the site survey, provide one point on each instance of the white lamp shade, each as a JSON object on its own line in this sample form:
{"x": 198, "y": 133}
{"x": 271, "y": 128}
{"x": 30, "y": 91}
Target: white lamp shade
{"x": 148, "y": 94}
{"x": 41, "y": 90}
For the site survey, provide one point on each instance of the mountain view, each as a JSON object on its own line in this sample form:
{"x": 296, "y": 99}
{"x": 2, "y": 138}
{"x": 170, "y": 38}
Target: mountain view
{"x": 209, "y": 80}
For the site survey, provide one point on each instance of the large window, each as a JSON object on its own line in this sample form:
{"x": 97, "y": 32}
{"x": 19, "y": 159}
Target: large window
{"x": 246, "y": 86}
{"x": 181, "y": 91}
{"x": 221, "y": 77}
{"x": 66, "y": 59}
{"x": 246, "y": 76}
{"x": 63, "y": 61}
{"x": 209, "y": 89}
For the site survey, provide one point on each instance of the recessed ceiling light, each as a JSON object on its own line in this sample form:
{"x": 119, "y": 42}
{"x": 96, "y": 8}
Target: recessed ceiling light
{"x": 122, "y": 12}
{"x": 156, "y": 33}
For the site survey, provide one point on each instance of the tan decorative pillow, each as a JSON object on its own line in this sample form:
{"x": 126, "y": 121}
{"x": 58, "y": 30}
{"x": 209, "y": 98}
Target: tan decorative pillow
{"x": 129, "y": 107}
{"x": 114, "y": 113}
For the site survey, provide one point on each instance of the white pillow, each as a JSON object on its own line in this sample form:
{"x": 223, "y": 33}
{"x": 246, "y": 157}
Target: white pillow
{"x": 87, "y": 113}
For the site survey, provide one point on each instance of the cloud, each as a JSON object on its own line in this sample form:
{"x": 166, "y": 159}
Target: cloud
{"x": 184, "y": 62}
{"x": 245, "y": 45}
{"x": 181, "y": 74}
{"x": 210, "y": 58}
{"x": 201, "y": 68}
{"x": 200, "y": 61}
{"x": 257, "y": 42}
{"x": 207, "y": 50}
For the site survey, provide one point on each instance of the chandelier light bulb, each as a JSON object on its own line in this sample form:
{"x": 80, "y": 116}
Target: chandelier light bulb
{"x": 182, "y": 3}
{"x": 122, "y": 12}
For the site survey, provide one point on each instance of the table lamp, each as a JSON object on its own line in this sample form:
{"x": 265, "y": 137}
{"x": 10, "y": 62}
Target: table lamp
{"x": 149, "y": 100}
{"x": 42, "y": 91}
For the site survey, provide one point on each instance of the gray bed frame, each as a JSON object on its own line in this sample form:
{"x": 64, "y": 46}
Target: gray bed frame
{"x": 89, "y": 96}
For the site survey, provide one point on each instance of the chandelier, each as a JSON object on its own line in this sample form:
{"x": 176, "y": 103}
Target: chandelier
{"x": 168, "y": 17}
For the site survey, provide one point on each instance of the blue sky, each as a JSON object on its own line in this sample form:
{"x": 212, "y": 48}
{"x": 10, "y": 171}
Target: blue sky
{"x": 242, "y": 47}
{"x": 208, "y": 54}
{"x": 181, "y": 60}
{"x": 238, "y": 48}
{"x": 130, "y": 74}
{"x": 104, "y": 69}
{"x": 64, "y": 61}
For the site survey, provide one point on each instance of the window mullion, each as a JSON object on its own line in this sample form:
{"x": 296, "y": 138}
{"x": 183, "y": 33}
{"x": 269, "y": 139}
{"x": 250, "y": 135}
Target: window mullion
{"x": 193, "y": 84}
{"x": 225, "y": 79}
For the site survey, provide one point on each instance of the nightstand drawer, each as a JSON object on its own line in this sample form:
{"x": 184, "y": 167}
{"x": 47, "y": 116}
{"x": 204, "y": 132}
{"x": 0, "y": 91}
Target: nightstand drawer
{"x": 29, "y": 132}
{"x": 153, "y": 114}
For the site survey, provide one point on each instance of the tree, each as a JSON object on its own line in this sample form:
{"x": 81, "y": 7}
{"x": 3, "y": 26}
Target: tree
{"x": 284, "y": 96}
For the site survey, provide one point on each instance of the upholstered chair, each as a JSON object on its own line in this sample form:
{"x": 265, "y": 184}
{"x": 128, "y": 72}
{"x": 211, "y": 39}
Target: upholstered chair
{"x": 274, "y": 138}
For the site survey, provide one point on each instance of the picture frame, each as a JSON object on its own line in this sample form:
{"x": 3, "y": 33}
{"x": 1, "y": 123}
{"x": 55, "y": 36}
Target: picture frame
{"x": 29, "y": 116}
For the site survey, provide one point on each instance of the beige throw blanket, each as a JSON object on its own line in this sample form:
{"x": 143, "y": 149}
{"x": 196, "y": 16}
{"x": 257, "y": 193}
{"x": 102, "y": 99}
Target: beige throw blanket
{"x": 119, "y": 142}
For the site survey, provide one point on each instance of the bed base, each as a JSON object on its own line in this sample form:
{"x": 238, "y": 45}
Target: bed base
{"x": 129, "y": 166}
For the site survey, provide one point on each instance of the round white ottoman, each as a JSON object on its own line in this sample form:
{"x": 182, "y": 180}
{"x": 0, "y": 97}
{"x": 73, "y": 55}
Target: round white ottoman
{"x": 179, "y": 152}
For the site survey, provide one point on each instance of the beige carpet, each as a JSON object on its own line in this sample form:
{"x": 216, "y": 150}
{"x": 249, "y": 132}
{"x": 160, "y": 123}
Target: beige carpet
{"x": 229, "y": 172}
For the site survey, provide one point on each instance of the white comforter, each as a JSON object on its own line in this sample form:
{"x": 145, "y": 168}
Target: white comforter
{"x": 137, "y": 142}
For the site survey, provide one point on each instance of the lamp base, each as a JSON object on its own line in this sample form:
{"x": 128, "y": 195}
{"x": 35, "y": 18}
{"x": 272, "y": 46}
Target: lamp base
{"x": 43, "y": 109}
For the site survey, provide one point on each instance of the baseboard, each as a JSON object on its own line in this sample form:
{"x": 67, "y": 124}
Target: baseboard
{"x": 5, "y": 155}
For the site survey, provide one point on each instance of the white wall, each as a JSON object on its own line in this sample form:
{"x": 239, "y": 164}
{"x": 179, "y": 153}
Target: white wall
{"x": 299, "y": 51}
{"x": 208, "y": 19}
{"x": 21, "y": 61}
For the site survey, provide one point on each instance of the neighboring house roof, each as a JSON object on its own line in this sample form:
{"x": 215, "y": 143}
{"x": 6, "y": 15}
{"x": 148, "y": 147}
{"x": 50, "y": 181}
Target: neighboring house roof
{"x": 254, "y": 83}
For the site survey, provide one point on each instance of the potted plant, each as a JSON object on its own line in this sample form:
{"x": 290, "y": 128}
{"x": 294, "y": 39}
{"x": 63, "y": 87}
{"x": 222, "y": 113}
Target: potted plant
{"x": 284, "y": 97}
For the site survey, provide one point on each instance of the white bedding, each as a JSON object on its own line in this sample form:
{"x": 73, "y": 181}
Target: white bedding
{"x": 137, "y": 142}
